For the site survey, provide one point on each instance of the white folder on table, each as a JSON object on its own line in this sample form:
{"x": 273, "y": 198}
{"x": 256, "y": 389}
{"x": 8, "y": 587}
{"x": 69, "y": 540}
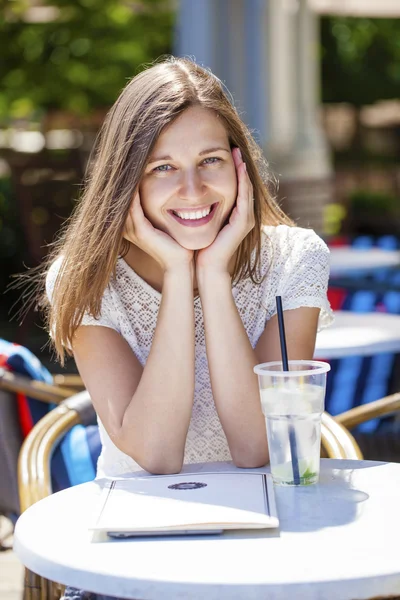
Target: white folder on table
{"x": 186, "y": 504}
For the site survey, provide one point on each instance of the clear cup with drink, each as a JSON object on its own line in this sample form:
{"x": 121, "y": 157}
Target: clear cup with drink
{"x": 293, "y": 401}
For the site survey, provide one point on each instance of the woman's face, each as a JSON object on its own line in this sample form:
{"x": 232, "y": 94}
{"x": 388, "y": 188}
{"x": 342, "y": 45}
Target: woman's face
{"x": 190, "y": 185}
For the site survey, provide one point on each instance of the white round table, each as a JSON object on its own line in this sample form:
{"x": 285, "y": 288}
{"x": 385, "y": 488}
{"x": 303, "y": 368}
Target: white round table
{"x": 346, "y": 259}
{"x": 359, "y": 334}
{"x": 338, "y": 539}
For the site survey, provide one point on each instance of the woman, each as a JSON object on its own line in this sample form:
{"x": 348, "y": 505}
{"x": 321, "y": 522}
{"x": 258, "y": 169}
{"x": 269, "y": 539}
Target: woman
{"x": 163, "y": 284}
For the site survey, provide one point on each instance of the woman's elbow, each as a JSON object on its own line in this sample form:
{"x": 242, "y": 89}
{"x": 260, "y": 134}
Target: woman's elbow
{"x": 251, "y": 460}
{"x": 158, "y": 463}
{"x": 154, "y": 460}
{"x": 161, "y": 467}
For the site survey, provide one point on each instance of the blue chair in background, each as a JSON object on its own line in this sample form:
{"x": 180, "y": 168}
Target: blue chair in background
{"x": 356, "y": 381}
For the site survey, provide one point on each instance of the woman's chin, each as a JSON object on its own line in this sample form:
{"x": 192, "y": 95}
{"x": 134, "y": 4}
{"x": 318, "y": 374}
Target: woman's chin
{"x": 195, "y": 244}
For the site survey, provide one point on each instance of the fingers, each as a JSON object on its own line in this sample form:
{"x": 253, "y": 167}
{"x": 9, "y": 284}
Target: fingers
{"x": 237, "y": 157}
{"x": 245, "y": 187}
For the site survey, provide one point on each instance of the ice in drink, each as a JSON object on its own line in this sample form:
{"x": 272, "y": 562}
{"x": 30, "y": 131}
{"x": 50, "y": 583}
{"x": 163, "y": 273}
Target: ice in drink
{"x": 298, "y": 407}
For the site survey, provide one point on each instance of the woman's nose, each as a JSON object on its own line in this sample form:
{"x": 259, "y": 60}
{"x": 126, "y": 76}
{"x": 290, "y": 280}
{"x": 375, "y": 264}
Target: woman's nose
{"x": 191, "y": 186}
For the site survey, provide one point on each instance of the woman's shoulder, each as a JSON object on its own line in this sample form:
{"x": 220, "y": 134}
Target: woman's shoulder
{"x": 295, "y": 263}
{"x": 286, "y": 247}
{"x": 286, "y": 237}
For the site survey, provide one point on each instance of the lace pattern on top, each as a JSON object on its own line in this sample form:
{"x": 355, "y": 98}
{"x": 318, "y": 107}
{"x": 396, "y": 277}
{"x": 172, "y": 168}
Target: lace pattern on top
{"x": 296, "y": 264}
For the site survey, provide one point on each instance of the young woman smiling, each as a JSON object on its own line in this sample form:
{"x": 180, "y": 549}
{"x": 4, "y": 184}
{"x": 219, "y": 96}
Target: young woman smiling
{"x": 163, "y": 284}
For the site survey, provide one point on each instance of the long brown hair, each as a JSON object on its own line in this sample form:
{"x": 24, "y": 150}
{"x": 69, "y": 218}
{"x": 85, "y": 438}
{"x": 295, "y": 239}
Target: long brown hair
{"x": 91, "y": 241}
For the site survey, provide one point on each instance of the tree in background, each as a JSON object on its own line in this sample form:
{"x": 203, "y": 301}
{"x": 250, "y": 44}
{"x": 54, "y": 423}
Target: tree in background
{"x": 360, "y": 59}
{"x": 81, "y": 54}
{"x": 360, "y": 65}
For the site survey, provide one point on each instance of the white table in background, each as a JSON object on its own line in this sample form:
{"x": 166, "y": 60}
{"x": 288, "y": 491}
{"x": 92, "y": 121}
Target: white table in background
{"x": 337, "y": 540}
{"x": 343, "y": 260}
{"x": 359, "y": 334}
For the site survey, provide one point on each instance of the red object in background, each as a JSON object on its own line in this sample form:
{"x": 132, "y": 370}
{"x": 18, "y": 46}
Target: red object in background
{"x": 24, "y": 414}
{"x": 336, "y": 297}
{"x": 381, "y": 307}
{"x": 25, "y": 418}
{"x": 339, "y": 240}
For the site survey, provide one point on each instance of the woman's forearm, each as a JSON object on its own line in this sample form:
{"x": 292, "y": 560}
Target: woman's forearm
{"x": 231, "y": 360}
{"x": 159, "y": 414}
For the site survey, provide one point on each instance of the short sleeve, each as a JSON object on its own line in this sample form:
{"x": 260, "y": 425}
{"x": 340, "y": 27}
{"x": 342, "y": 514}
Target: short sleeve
{"x": 106, "y": 318}
{"x": 305, "y": 274}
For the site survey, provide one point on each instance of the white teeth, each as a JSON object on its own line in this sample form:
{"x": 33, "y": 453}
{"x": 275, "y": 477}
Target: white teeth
{"x": 193, "y": 215}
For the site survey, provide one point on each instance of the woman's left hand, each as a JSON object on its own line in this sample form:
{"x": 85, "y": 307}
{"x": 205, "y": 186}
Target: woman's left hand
{"x": 217, "y": 256}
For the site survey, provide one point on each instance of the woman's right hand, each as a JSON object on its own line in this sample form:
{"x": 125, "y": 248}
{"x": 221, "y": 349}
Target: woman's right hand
{"x": 159, "y": 245}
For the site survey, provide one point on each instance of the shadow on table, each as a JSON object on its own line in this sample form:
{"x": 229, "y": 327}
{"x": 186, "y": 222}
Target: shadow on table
{"x": 333, "y": 502}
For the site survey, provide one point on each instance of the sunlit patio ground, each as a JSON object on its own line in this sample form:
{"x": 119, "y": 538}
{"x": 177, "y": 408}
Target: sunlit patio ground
{"x": 11, "y": 570}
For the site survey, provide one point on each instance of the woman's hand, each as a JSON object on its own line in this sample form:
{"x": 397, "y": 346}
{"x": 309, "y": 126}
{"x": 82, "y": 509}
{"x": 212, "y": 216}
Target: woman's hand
{"x": 157, "y": 244}
{"x": 217, "y": 256}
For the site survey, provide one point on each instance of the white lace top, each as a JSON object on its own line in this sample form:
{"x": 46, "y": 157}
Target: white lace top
{"x": 296, "y": 261}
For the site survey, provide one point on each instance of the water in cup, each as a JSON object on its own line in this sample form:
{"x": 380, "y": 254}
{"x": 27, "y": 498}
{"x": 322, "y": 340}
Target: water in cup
{"x": 292, "y": 402}
{"x": 298, "y": 407}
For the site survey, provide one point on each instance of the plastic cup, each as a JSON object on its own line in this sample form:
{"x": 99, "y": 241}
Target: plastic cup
{"x": 293, "y": 402}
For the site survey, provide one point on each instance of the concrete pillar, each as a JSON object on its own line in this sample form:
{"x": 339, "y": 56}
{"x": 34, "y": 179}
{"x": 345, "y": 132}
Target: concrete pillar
{"x": 297, "y": 149}
{"x": 310, "y": 148}
{"x": 280, "y": 52}
{"x": 228, "y": 36}
{"x": 196, "y": 31}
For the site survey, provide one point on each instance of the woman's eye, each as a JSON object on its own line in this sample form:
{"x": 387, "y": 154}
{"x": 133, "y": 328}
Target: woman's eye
{"x": 213, "y": 160}
{"x": 162, "y": 169}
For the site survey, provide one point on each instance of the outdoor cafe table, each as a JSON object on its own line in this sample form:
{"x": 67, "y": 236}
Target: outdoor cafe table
{"x": 346, "y": 259}
{"x": 358, "y": 334}
{"x": 338, "y": 539}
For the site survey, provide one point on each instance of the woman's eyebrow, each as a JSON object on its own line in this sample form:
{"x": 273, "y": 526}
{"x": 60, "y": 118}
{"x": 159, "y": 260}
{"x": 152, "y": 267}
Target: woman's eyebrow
{"x": 208, "y": 151}
{"x": 215, "y": 149}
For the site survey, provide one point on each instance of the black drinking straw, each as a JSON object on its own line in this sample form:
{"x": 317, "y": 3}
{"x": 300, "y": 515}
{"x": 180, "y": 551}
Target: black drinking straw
{"x": 285, "y": 363}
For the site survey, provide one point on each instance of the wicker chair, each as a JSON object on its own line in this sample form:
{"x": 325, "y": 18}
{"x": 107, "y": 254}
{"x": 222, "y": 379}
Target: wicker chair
{"x": 14, "y": 496}
{"x": 34, "y": 480}
{"x": 383, "y": 444}
{"x": 10, "y": 430}
{"x": 63, "y": 386}
{"x": 380, "y": 408}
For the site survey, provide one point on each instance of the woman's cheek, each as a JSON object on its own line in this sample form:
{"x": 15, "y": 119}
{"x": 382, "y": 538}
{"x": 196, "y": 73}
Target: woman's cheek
{"x": 153, "y": 193}
{"x": 224, "y": 182}
{"x": 229, "y": 182}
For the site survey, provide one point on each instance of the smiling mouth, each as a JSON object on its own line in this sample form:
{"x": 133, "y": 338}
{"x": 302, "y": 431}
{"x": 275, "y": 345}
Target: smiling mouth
{"x": 194, "y": 218}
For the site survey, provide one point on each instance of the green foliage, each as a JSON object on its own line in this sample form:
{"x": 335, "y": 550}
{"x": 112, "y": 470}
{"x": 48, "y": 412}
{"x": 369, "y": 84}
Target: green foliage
{"x": 373, "y": 202}
{"x": 360, "y": 59}
{"x": 80, "y": 60}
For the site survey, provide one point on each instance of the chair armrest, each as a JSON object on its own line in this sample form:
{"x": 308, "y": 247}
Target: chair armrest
{"x": 82, "y": 404}
{"x": 11, "y": 382}
{"x": 379, "y": 408}
{"x": 69, "y": 381}
{"x": 34, "y": 479}
{"x": 337, "y": 440}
